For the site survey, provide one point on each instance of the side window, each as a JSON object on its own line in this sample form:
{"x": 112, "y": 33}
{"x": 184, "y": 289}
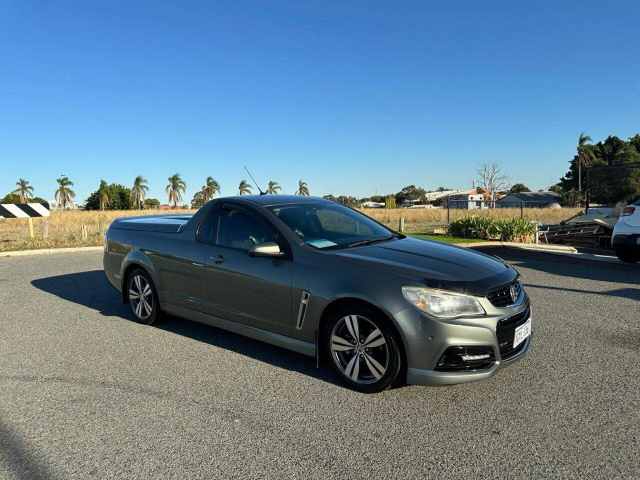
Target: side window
{"x": 208, "y": 228}
{"x": 242, "y": 230}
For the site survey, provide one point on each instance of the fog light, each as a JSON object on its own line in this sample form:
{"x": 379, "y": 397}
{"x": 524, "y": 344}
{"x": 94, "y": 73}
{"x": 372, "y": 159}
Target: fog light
{"x": 472, "y": 358}
{"x": 457, "y": 359}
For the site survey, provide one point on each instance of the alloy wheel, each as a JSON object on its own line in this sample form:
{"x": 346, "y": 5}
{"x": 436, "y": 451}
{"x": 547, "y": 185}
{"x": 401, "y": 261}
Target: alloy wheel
{"x": 141, "y": 297}
{"x": 359, "y": 349}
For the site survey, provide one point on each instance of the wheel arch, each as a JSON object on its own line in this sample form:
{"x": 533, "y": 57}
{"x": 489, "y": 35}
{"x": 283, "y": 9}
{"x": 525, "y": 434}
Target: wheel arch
{"x": 131, "y": 265}
{"x": 342, "y": 303}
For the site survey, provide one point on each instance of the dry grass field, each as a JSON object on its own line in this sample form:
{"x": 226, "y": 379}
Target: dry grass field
{"x": 77, "y": 228}
{"x": 425, "y": 219}
{"x": 72, "y": 228}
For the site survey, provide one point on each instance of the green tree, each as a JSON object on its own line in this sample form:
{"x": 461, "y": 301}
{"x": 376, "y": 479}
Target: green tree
{"x": 410, "y": 193}
{"x": 175, "y": 189}
{"x": 103, "y": 195}
{"x": 244, "y": 188}
{"x": 519, "y": 188}
{"x": 198, "y": 199}
{"x": 348, "y": 201}
{"x": 608, "y": 172}
{"x": 273, "y": 187}
{"x": 151, "y": 203}
{"x": 119, "y": 198}
{"x": 138, "y": 192}
{"x": 210, "y": 189}
{"x": 11, "y": 198}
{"x": 14, "y": 198}
{"x": 24, "y": 190}
{"x": 303, "y": 189}
{"x": 64, "y": 194}
{"x": 585, "y": 155}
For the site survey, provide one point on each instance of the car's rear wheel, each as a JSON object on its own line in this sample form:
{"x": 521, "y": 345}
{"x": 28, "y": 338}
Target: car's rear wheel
{"x": 143, "y": 298}
{"x": 364, "y": 350}
{"x": 627, "y": 254}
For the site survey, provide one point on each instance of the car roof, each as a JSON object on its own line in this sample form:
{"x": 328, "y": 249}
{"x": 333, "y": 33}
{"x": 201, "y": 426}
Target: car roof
{"x": 271, "y": 200}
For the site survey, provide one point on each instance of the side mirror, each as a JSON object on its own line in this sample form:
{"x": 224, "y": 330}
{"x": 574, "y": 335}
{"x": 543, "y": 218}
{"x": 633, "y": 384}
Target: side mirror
{"x": 267, "y": 249}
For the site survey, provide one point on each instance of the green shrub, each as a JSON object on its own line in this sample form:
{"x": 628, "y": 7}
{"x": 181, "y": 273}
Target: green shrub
{"x": 507, "y": 230}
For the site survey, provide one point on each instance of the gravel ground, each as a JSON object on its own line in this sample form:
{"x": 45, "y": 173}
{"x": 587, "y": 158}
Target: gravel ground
{"x": 87, "y": 393}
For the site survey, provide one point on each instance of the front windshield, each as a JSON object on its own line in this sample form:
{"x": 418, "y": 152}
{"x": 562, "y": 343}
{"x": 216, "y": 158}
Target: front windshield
{"x": 324, "y": 225}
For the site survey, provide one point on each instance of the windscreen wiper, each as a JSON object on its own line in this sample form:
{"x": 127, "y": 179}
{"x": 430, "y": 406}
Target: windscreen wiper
{"x": 369, "y": 241}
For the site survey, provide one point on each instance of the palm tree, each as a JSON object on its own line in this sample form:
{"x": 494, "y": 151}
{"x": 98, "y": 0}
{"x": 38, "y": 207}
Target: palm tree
{"x": 303, "y": 189}
{"x": 138, "y": 192}
{"x": 64, "y": 195}
{"x": 24, "y": 190}
{"x": 210, "y": 189}
{"x": 244, "y": 188}
{"x": 198, "y": 199}
{"x": 273, "y": 187}
{"x": 103, "y": 195}
{"x": 585, "y": 155}
{"x": 175, "y": 189}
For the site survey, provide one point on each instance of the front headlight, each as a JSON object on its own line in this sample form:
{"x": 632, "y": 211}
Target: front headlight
{"x": 441, "y": 304}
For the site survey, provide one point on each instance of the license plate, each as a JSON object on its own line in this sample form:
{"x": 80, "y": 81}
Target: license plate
{"x": 522, "y": 333}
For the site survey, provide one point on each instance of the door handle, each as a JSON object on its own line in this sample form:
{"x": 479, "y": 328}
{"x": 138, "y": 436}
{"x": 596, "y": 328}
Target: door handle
{"x": 218, "y": 259}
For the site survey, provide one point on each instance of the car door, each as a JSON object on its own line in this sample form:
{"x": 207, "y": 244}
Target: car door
{"x": 176, "y": 260}
{"x": 204, "y": 254}
{"x": 251, "y": 290}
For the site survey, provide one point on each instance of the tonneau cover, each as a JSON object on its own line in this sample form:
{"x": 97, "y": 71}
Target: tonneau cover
{"x": 152, "y": 223}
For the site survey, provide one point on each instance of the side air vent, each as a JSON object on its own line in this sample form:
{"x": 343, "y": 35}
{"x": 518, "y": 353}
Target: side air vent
{"x": 304, "y": 306}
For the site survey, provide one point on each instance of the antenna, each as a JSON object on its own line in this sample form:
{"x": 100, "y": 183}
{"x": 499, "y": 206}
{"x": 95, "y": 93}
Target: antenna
{"x": 254, "y": 181}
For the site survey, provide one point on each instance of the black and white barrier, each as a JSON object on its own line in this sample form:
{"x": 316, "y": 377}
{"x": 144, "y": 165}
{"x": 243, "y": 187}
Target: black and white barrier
{"x": 23, "y": 210}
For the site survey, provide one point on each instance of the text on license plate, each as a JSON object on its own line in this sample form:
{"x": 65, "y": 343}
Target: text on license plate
{"x": 521, "y": 333}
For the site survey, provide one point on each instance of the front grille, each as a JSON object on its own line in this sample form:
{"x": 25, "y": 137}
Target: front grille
{"x": 501, "y": 297}
{"x": 465, "y": 359}
{"x": 505, "y": 332}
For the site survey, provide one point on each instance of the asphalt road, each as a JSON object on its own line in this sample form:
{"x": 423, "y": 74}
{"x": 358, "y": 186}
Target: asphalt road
{"x": 87, "y": 393}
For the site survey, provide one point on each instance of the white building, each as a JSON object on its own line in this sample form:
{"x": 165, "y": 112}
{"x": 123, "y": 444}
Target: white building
{"x": 372, "y": 205}
{"x": 470, "y": 200}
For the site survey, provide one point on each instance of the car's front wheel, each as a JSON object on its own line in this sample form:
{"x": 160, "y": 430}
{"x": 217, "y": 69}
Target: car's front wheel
{"x": 143, "y": 298}
{"x": 364, "y": 350}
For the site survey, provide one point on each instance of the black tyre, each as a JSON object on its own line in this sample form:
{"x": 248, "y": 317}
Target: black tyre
{"x": 628, "y": 255}
{"x": 143, "y": 297}
{"x": 363, "y": 349}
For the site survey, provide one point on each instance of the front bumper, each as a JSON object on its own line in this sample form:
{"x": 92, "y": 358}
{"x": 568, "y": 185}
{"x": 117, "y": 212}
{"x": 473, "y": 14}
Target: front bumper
{"x": 426, "y": 340}
{"x": 418, "y": 376}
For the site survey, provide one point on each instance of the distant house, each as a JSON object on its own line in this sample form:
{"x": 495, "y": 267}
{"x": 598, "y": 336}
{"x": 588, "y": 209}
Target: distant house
{"x": 418, "y": 203}
{"x": 372, "y": 205}
{"x": 530, "y": 200}
{"x": 438, "y": 197}
{"x": 471, "y": 200}
{"x": 424, "y": 205}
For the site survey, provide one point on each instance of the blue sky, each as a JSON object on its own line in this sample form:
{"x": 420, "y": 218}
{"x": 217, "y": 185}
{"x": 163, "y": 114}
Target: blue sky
{"x": 353, "y": 97}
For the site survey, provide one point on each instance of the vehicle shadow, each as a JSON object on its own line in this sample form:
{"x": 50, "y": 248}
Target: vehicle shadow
{"x": 579, "y": 268}
{"x": 91, "y": 289}
{"x": 19, "y": 459}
